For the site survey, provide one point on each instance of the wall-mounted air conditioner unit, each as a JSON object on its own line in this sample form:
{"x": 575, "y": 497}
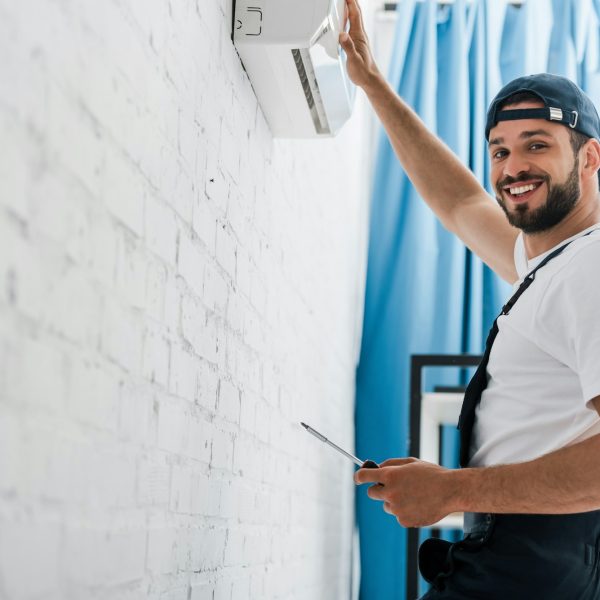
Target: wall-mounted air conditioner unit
{"x": 297, "y": 68}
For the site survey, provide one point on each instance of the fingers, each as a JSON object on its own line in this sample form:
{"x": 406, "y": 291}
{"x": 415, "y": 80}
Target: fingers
{"x": 368, "y": 476}
{"x": 357, "y": 28}
{"x": 354, "y": 14}
{"x": 376, "y": 492}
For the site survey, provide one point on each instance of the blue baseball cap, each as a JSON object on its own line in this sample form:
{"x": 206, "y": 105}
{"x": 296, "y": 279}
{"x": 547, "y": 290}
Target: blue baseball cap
{"x": 564, "y": 102}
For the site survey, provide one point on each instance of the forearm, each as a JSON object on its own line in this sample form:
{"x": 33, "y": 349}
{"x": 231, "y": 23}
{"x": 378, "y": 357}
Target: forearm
{"x": 564, "y": 481}
{"x": 438, "y": 175}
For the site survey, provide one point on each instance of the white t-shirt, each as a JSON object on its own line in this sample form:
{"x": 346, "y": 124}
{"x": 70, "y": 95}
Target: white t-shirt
{"x": 544, "y": 366}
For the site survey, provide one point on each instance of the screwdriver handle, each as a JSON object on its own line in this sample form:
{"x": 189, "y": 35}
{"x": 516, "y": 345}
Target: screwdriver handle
{"x": 369, "y": 464}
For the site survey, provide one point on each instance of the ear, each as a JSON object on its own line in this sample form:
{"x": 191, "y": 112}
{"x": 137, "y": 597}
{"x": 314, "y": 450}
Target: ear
{"x": 590, "y": 159}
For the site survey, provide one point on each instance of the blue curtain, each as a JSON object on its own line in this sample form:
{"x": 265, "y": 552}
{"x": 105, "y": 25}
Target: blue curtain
{"x": 425, "y": 292}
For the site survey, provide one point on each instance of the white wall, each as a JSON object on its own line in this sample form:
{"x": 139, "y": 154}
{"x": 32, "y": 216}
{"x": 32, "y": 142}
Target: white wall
{"x": 177, "y": 291}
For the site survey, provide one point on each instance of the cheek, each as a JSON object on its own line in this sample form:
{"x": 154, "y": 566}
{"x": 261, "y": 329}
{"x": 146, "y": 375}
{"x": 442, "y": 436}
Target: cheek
{"x": 495, "y": 177}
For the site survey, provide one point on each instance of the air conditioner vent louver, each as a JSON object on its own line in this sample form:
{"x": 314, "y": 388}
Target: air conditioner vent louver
{"x": 308, "y": 81}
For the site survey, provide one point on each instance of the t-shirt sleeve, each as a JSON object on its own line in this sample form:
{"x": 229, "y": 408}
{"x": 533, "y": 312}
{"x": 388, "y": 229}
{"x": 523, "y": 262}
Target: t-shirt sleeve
{"x": 569, "y": 315}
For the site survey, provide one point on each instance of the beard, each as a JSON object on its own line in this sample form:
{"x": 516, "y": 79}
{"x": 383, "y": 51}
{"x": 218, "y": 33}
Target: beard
{"x": 559, "y": 203}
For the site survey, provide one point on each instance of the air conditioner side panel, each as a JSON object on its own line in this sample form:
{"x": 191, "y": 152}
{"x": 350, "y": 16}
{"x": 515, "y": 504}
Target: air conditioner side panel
{"x": 277, "y": 86}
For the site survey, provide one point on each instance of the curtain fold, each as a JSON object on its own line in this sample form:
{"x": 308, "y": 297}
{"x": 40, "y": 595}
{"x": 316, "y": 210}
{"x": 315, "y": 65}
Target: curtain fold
{"x": 425, "y": 292}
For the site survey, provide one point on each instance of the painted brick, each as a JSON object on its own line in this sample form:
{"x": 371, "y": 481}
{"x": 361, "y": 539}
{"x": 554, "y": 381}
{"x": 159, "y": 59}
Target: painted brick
{"x": 222, "y": 450}
{"x": 183, "y": 373}
{"x": 28, "y": 281}
{"x": 172, "y": 419}
{"x": 228, "y": 405}
{"x": 248, "y": 412}
{"x": 202, "y": 591}
{"x": 193, "y": 323}
{"x": 112, "y": 479}
{"x": 228, "y": 147}
{"x": 206, "y": 496}
{"x": 208, "y": 385}
{"x": 181, "y": 491}
{"x": 160, "y": 230}
{"x": 48, "y": 389}
{"x": 26, "y": 547}
{"x": 11, "y": 436}
{"x": 160, "y": 555}
{"x": 235, "y": 313}
{"x": 123, "y": 192}
{"x": 153, "y": 480}
{"x": 248, "y": 458}
{"x": 223, "y": 589}
{"x": 130, "y": 270}
{"x": 177, "y": 188}
{"x": 155, "y": 296}
{"x": 217, "y": 186}
{"x": 136, "y": 414}
{"x": 238, "y": 215}
{"x": 155, "y": 358}
{"x": 73, "y": 307}
{"x": 208, "y": 548}
{"x": 102, "y": 250}
{"x": 216, "y": 290}
{"x": 60, "y": 209}
{"x": 199, "y": 439}
{"x": 230, "y": 498}
{"x": 173, "y": 293}
{"x": 205, "y": 224}
{"x": 263, "y": 422}
{"x": 113, "y": 557}
{"x": 245, "y": 273}
{"x": 15, "y": 173}
{"x": 226, "y": 250}
{"x": 94, "y": 395}
{"x": 121, "y": 336}
{"x": 234, "y": 547}
{"x": 191, "y": 263}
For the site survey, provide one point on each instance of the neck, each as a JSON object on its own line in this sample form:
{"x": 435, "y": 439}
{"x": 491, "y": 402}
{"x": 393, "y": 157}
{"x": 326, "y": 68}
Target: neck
{"x": 584, "y": 215}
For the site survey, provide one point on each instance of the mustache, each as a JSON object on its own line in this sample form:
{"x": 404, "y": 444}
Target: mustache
{"x": 521, "y": 178}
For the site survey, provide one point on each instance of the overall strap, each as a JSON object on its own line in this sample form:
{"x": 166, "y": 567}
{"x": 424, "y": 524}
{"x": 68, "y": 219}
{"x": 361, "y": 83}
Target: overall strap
{"x": 479, "y": 380}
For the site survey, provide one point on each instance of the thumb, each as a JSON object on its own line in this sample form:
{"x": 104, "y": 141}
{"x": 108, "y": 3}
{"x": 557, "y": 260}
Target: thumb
{"x": 397, "y": 462}
{"x": 347, "y": 43}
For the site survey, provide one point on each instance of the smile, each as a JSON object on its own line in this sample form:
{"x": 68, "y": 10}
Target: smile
{"x": 523, "y": 191}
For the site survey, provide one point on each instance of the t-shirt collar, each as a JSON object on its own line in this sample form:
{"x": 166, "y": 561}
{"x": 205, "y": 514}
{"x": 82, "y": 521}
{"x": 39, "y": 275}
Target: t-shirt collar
{"x": 524, "y": 265}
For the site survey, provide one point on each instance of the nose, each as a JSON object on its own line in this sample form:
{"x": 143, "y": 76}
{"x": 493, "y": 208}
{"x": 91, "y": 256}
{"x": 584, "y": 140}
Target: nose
{"x": 514, "y": 165}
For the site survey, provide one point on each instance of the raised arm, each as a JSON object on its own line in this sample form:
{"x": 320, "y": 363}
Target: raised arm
{"x": 448, "y": 187}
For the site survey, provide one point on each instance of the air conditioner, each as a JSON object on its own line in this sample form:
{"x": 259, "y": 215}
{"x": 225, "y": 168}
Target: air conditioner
{"x": 291, "y": 53}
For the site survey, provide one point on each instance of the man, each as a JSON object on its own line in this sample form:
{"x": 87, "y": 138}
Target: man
{"x": 530, "y": 425}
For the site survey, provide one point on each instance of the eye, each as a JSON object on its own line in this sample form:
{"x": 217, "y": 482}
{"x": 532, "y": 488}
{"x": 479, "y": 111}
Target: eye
{"x": 537, "y": 146}
{"x": 499, "y": 154}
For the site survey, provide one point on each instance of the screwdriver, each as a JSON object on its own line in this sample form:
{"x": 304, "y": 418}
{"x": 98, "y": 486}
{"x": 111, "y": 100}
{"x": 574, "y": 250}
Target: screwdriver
{"x": 366, "y": 464}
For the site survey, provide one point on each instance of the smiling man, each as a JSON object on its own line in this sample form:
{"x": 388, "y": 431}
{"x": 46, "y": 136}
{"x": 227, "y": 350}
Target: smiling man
{"x": 530, "y": 422}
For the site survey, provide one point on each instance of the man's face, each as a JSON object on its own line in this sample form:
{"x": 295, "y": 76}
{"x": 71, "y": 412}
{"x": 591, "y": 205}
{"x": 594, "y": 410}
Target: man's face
{"x": 534, "y": 171}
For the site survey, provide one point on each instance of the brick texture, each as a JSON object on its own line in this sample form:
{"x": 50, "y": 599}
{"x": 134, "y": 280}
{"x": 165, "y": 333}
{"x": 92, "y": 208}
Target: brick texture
{"x": 177, "y": 291}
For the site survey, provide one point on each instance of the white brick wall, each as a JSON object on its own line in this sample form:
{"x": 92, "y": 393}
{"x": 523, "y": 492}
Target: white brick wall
{"x": 177, "y": 291}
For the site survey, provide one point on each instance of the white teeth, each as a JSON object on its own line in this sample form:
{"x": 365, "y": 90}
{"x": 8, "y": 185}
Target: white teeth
{"x": 522, "y": 189}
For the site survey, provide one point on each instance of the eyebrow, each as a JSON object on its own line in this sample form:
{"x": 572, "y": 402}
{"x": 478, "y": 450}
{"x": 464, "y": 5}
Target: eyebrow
{"x": 525, "y": 135}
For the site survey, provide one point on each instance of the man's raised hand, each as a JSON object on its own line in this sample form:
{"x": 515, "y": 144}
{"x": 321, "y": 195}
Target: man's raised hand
{"x": 361, "y": 66}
